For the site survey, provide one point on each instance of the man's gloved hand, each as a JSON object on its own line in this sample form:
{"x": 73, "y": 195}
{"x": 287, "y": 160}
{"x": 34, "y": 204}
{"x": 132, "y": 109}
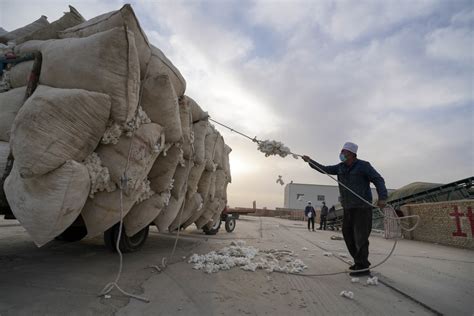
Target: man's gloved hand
{"x": 305, "y": 158}
{"x": 382, "y": 203}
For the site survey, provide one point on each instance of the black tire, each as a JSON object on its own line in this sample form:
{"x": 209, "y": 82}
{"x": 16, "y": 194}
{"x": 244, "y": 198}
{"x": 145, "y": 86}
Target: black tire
{"x": 213, "y": 229}
{"x": 127, "y": 244}
{"x": 230, "y": 224}
{"x": 72, "y": 234}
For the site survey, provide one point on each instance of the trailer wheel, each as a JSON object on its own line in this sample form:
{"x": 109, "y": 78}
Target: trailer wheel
{"x": 214, "y": 228}
{"x": 72, "y": 234}
{"x": 75, "y": 232}
{"x": 127, "y": 244}
{"x": 230, "y": 224}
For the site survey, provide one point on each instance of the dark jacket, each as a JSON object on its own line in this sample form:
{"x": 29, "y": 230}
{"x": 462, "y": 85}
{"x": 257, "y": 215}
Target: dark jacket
{"x": 309, "y": 209}
{"x": 357, "y": 177}
{"x": 324, "y": 210}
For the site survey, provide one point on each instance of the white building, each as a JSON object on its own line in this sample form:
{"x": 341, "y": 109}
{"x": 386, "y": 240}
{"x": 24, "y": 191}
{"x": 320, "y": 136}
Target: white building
{"x": 297, "y": 195}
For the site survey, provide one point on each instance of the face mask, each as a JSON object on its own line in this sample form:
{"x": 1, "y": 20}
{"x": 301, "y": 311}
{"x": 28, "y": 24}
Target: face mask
{"x": 342, "y": 157}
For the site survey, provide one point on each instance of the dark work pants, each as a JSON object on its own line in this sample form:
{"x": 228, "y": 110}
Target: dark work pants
{"x": 356, "y": 228}
{"x": 311, "y": 220}
{"x": 322, "y": 222}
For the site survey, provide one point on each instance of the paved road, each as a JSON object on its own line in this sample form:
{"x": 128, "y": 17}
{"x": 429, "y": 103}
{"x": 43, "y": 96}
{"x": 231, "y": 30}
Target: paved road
{"x": 64, "y": 278}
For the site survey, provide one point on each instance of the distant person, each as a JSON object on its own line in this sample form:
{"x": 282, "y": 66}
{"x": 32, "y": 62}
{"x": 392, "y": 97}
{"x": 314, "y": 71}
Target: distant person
{"x": 310, "y": 214}
{"x": 323, "y": 216}
{"x": 331, "y": 210}
{"x": 357, "y": 175}
{"x": 331, "y": 217}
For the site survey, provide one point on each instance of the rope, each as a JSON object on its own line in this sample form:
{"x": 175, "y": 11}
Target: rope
{"x": 330, "y": 176}
{"x": 123, "y": 182}
{"x": 391, "y": 217}
{"x": 345, "y": 271}
{"x": 390, "y": 209}
{"x": 164, "y": 260}
{"x": 255, "y": 140}
{"x": 110, "y": 286}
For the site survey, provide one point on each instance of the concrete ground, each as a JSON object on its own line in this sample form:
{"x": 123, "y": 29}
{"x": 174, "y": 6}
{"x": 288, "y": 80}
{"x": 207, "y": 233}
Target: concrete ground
{"x": 65, "y": 278}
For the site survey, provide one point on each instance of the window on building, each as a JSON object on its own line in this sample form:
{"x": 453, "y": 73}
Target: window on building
{"x": 299, "y": 196}
{"x": 320, "y": 197}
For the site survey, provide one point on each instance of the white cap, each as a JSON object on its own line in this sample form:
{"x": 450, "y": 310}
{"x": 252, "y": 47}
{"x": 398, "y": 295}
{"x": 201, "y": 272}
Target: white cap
{"x": 309, "y": 202}
{"x": 350, "y": 147}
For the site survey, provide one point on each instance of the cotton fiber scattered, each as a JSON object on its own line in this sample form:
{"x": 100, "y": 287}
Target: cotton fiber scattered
{"x": 112, "y": 134}
{"x": 273, "y": 147}
{"x": 373, "y": 281}
{"x": 248, "y": 258}
{"x": 98, "y": 174}
{"x": 347, "y": 294}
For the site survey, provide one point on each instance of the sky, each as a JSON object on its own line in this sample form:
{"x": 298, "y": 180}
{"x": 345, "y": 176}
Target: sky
{"x": 394, "y": 77}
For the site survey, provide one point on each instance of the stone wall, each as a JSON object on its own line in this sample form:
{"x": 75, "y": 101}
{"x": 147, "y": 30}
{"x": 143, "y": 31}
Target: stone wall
{"x": 448, "y": 223}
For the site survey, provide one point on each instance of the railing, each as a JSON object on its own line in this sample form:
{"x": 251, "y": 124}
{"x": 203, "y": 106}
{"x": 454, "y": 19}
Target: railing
{"x": 441, "y": 193}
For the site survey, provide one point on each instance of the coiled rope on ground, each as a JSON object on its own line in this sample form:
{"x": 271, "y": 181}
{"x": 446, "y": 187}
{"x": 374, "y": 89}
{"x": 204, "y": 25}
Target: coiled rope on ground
{"x": 389, "y": 213}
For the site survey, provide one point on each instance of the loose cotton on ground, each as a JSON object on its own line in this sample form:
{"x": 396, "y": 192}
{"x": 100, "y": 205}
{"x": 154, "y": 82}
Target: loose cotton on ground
{"x": 248, "y": 258}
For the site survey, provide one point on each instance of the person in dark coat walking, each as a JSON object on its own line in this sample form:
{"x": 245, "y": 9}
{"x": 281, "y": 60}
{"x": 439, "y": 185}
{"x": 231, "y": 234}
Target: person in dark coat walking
{"x": 323, "y": 216}
{"x": 310, "y": 214}
{"x": 357, "y": 175}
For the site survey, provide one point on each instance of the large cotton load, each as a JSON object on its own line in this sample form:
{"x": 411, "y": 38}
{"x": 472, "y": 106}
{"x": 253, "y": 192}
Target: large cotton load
{"x": 19, "y": 74}
{"x": 56, "y": 125}
{"x": 10, "y": 103}
{"x": 160, "y": 102}
{"x": 24, "y": 31}
{"x": 105, "y": 62}
{"x": 48, "y": 204}
{"x": 120, "y": 18}
{"x": 163, "y": 170}
{"x": 69, "y": 19}
{"x": 178, "y": 195}
{"x": 160, "y": 64}
{"x": 136, "y": 155}
{"x": 143, "y": 213}
{"x": 193, "y": 204}
{"x": 105, "y": 132}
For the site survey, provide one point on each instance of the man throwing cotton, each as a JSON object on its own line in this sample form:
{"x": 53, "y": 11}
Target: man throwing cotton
{"x": 355, "y": 174}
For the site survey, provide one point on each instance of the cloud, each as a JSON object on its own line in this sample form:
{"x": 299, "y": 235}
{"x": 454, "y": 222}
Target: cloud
{"x": 451, "y": 43}
{"x": 393, "y": 76}
{"x": 380, "y": 91}
{"x": 351, "y": 20}
{"x": 209, "y": 56}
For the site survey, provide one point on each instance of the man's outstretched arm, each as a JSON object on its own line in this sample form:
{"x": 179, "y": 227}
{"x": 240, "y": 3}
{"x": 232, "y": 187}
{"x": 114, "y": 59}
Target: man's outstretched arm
{"x": 319, "y": 167}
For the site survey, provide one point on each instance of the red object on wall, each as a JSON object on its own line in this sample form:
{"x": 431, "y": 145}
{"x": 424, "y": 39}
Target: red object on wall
{"x": 457, "y": 219}
{"x": 470, "y": 216}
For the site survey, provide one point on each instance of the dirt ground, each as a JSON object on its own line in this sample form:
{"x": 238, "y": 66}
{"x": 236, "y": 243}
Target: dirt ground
{"x": 65, "y": 278}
